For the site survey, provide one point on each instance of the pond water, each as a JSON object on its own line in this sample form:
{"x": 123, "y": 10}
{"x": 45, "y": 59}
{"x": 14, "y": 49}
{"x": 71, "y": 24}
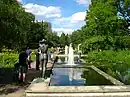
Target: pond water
{"x": 77, "y": 77}
{"x": 71, "y": 75}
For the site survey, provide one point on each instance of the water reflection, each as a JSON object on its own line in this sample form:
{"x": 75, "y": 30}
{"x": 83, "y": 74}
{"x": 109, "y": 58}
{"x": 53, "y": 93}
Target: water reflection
{"x": 77, "y": 77}
{"x": 67, "y": 77}
{"x": 61, "y": 61}
{"x": 93, "y": 78}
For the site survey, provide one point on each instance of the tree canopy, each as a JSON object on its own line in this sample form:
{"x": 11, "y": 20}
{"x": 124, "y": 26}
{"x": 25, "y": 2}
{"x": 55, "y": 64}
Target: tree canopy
{"x": 106, "y": 27}
{"x": 18, "y": 28}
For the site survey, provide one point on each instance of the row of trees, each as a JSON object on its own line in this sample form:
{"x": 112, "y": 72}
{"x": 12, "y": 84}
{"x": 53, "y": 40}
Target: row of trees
{"x": 18, "y": 28}
{"x": 40, "y": 30}
{"x": 107, "y": 23}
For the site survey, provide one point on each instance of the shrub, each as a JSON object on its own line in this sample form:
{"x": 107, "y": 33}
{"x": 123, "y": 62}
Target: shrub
{"x": 7, "y": 60}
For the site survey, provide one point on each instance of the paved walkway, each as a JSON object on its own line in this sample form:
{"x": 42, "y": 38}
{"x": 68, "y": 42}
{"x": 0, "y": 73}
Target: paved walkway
{"x": 13, "y": 90}
{"x": 10, "y": 90}
{"x": 19, "y": 93}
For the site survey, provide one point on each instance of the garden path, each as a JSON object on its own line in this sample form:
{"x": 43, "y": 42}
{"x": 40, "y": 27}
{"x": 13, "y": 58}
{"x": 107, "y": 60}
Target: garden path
{"x": 10, "y": 89}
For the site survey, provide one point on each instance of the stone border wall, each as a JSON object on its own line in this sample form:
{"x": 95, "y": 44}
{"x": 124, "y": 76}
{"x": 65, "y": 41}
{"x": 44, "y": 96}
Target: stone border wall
{"x": 79, "y": 91}
{"x": 43, "y": 89}
{"x": 108, "y": 77}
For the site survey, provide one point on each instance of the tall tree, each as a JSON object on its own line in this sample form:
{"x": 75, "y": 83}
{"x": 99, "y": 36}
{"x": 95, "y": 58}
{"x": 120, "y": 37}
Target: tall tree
{"x": 14, "y": 24}
{"x": 103, "y": 27}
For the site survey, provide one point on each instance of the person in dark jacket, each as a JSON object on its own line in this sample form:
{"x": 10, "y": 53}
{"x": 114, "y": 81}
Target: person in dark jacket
{"x": 23, "y": 65}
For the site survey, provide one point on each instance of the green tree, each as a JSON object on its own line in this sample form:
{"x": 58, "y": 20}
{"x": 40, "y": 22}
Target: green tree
{"x": 14, "y": 24}
{"x": 77, "y": 37}
{"x": 62, "y": 40}
{"x": 104, "y": 22}
{"x": 53, "y": 39}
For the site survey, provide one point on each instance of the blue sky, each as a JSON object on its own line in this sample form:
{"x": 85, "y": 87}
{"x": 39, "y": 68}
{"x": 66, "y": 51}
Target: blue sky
{"x": 65, "y": 15}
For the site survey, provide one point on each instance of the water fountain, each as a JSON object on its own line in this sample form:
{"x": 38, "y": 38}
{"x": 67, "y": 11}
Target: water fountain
{"x": 71, "y": 62}
{"x": 59, "y": 60}
{"x": 66, "y": 53}
{"x": 69, "y": 73}
{"x": 70, "y": 56}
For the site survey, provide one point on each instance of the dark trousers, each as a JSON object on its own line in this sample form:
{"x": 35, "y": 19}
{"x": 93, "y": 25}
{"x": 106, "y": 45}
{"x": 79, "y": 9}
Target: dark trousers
{"x": 29, "y": 64}
{"x": 37, "y": 64}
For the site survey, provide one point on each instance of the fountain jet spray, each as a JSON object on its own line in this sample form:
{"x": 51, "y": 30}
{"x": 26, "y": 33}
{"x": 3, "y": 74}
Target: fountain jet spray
{"x": 71, "y": 55}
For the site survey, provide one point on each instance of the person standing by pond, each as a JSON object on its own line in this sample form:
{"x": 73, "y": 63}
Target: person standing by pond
{"x": 28, "y": 52}
{"x": 23, "y": 66}
{"x": 79, "y": 55}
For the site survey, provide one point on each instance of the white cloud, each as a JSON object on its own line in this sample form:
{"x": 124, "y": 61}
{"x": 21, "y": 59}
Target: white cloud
{"x": 59, "y": 24}
{"x": 60, "y": 30}
{"x": 19, "y": 0}
{"x": 78, "y": 17}
{"x": 47, "y": 12}
{"x": 84, "y": 2}
{"x": 74, "y": 21}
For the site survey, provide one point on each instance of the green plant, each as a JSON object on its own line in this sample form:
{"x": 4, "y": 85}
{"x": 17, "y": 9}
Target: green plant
{"x": 112, "y": 62}
{"x": 7, "y": 60}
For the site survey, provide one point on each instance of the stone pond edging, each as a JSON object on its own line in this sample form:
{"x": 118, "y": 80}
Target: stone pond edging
{"x": 79, "y": 91}
{"x": 107, "y": 76}
{"x": 42, "y": 89}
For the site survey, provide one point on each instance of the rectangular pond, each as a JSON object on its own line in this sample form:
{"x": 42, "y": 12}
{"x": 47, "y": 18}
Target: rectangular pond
{"x": 77, "y": 77}
{"x": 78, "y": 82}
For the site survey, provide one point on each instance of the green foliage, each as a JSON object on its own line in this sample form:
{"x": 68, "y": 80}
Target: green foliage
{"x": 105, "y": 43}
{"x": 77, "y": 37}
{"x": 112, "y": 62}
{"x": 7, "y": 60}
{"x": 14, "y": 24}
{"x": 18, "y": 28}
{"x": 64, "y": 40}
{"x": 92, "y": 43}
{"x": 37, "y": 32}
{"x": 105, "y": 28}
{"x": 53, "y": 39}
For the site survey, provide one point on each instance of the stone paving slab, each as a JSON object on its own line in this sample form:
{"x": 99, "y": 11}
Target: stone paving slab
{"x": 125, "y": 88}
{"x": 121, "y": 94}
{"x": 19, "y": 93}
{"x": 80, "y": 95}
{"x": 41, "y": 87}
